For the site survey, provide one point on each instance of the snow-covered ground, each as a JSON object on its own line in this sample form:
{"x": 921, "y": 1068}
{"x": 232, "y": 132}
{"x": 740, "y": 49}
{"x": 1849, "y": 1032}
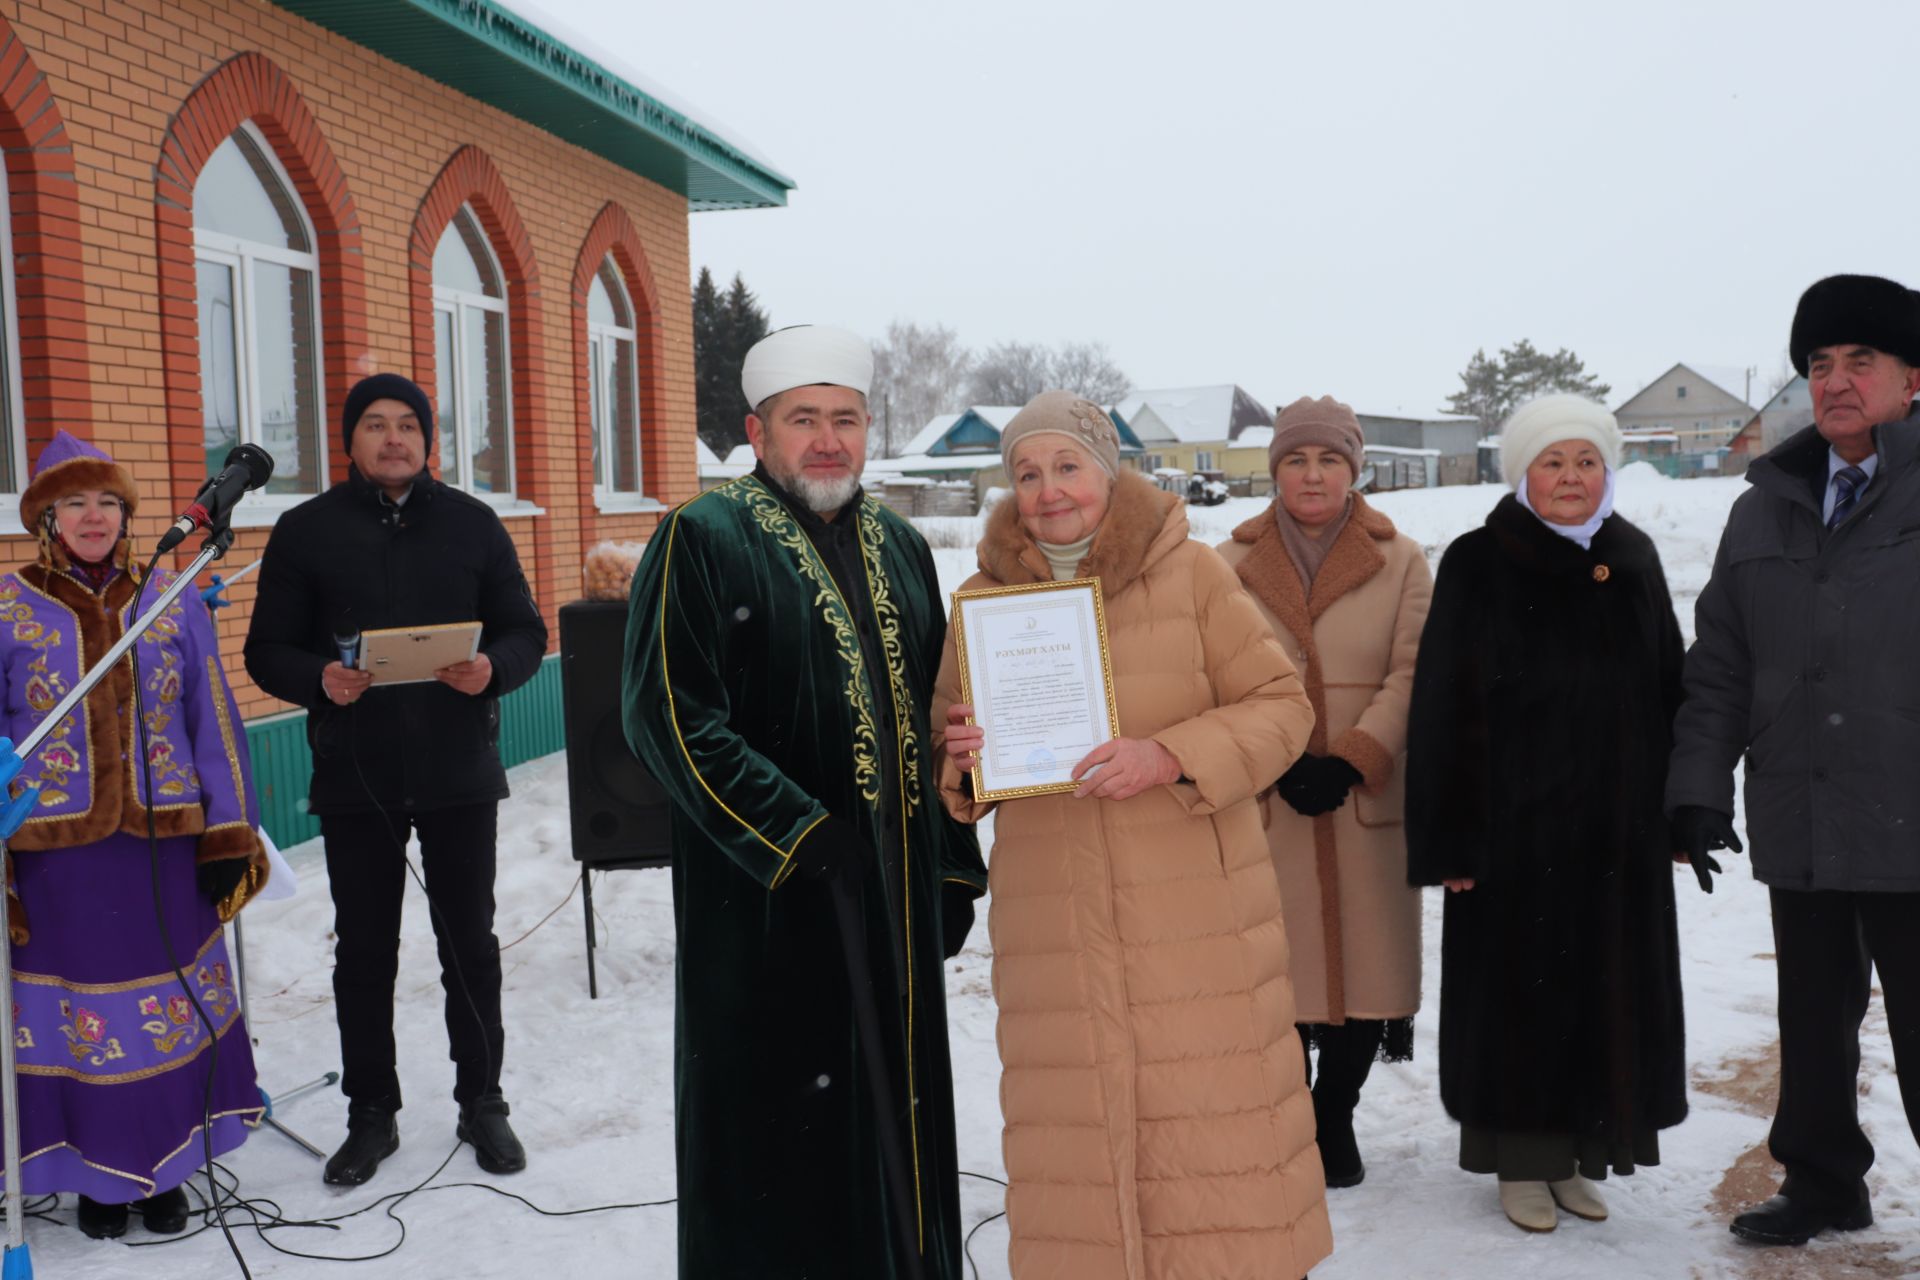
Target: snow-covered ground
{"x": 591, "y": 1081}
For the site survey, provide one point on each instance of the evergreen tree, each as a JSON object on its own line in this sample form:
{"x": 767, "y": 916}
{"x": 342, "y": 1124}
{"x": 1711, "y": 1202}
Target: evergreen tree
{"x": 725, "y": 326}
{"x": 1492, "y": 389}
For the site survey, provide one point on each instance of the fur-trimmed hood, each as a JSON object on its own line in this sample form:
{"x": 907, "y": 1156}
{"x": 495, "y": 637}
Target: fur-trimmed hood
{"x": 1142, "y": 525}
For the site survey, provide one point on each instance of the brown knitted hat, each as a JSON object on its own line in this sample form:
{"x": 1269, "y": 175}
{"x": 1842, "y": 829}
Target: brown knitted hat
{"x": 1325, "y": 422}
{"x": 1065, "y": 414}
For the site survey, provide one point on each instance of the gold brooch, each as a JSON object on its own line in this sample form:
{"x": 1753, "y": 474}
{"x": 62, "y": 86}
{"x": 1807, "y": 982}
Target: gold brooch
{"x": 1601, "y": 573}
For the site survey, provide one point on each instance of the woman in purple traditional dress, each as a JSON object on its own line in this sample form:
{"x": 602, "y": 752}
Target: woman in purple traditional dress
{"x": 113, "y": 1056}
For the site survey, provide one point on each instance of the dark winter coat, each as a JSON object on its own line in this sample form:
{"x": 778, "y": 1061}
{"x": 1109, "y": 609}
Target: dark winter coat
{"x": 778, "y": 703}
{"x": 350, "y": 558}
{"x": 1537, "y": 741}
{"x": 1804, "y": 662}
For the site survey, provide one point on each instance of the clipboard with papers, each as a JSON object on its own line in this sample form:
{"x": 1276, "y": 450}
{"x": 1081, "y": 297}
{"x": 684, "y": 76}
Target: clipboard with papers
{"x": 410, "y": 655}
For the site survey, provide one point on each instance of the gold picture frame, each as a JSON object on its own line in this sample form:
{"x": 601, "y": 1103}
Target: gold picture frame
{"x": 1092, "y": 633}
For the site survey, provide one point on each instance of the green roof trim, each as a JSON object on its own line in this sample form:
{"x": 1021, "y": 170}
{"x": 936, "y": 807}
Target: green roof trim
{"x": 497, "y": 57}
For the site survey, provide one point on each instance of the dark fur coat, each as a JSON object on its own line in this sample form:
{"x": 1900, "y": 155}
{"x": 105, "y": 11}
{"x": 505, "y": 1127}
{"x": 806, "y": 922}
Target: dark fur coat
{"x": 1539, "y": 730}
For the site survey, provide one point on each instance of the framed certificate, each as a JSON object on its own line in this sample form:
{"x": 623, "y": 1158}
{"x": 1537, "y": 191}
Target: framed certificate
{"x": 410, "y": 655}
{"x": 1035, "y": 667}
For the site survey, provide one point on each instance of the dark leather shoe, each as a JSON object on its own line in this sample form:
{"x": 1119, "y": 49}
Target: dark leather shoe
{"x": 1784, "y": 1221}
{"x": 373, "y": 1134}
{"x": 164, "y": 1214}
{"x": 483, "y": 1122}
{"x": 102, "y": 1221}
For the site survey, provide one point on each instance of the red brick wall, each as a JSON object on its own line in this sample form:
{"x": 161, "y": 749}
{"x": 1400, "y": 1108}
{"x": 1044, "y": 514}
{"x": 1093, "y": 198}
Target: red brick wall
{"x": 108, "y": 109}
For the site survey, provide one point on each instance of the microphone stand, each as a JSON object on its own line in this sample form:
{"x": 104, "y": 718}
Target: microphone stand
{"x": 18, "y": 1263}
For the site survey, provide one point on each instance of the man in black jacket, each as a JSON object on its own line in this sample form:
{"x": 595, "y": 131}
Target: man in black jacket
{"x": 390, "y": 546}
{"x": 1804, "y": 666}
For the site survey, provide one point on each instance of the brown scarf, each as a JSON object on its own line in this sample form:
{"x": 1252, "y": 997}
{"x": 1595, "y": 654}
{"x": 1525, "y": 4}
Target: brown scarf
{"x": 1307, "y": 552}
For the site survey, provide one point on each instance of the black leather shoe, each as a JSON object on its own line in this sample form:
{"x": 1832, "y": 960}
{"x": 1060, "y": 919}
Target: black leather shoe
{"x": 1784, "y": 1221}
{"x": 164, "y": 1214}
{"x": 102, "y": 1221}
{"x": 483, "y": 1122}
{"x": 373, "y": 1134}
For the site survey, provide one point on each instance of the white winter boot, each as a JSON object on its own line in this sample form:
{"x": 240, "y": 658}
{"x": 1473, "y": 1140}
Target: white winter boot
{"x": 1529, "y": 1205}
{"x": 1580, "y": 1198}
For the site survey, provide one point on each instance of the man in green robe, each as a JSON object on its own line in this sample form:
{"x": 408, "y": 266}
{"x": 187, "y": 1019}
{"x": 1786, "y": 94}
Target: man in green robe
{"x": 781, "y": 651}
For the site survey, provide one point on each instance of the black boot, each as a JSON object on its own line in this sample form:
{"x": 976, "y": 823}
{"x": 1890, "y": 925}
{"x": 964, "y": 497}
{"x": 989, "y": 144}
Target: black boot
{"x": 102, "y": 1221}
{"x": 483, "y": 1122}
{"x": 1346, "y": 1059}
{"x": 373, "y": 1134}
{"x": 164, "y": 1214}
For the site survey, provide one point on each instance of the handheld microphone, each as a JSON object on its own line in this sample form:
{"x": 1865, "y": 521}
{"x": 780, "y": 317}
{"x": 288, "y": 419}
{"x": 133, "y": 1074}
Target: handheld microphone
{"x": 248, "y": 466}
{"x": 346, "y": 638}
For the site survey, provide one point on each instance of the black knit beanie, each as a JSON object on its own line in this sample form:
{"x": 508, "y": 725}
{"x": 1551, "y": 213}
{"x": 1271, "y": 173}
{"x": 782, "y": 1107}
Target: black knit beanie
{"x": 1868, "y": 310}
{"x": 385, "y": 386}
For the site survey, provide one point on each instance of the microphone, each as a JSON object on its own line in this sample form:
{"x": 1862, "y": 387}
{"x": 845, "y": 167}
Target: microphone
{"x": 346, "y": 638}
{"x": 248, "y": 466}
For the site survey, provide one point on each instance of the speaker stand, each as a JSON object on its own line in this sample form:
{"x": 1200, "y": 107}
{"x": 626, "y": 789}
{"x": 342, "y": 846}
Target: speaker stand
{"x": 586, "y": 896}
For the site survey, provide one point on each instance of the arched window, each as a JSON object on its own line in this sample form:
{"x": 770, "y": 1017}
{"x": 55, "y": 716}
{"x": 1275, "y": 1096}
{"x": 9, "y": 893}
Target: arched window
{"x": 256, "y": 275}
{"x": 470, "y": 353}
{"x": 13, "y": 437}
{"x": 615, "y": 383}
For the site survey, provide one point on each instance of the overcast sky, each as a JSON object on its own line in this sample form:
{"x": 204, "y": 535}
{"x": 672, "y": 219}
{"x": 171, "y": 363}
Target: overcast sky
{"x": 1342, "y": 199}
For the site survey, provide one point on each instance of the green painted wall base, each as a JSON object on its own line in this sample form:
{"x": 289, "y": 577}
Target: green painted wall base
{"x": 531, "y": 725}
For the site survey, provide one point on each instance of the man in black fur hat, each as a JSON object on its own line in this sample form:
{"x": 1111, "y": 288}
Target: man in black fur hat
{"x": 1804, "y": 664}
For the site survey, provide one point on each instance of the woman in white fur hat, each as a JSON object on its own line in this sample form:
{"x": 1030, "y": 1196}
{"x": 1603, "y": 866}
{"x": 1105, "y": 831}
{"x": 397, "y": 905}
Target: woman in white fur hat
{"x": 1538, "y": 736}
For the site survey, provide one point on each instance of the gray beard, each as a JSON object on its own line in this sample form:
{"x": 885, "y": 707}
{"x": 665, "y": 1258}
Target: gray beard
{"x": 823, "y": 497}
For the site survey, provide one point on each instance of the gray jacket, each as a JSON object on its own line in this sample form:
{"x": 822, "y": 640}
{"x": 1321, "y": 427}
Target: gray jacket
{"x": 1805, "y": 662}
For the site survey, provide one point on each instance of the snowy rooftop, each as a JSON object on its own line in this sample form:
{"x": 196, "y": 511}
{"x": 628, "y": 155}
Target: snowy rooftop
{"x": 1194, "y": 415}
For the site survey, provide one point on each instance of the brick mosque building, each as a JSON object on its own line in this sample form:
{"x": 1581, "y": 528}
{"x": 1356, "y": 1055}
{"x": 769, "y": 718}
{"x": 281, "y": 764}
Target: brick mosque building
{"x": 216, "y": 215}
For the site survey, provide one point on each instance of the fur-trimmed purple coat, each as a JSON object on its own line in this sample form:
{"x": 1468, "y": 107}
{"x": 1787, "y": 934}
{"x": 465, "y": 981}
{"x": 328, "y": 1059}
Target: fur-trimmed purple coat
{"x": 52, "y": 628}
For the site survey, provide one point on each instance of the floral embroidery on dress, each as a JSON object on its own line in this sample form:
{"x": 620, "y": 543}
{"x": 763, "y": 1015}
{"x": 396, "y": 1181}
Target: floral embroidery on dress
{"x": 44, "y": 689}
{"x": 171, "y": 778}
{"x": 87, "y": 1038}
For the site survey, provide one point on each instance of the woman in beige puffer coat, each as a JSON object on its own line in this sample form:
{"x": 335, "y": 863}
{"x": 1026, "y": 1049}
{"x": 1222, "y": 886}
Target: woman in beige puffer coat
{"x": 1157, "y": 1120}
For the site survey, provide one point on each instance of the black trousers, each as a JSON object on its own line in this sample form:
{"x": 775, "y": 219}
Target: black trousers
{"x": 1828, "y": 946}
{"x": 1347, "y": 1052}
{"x": 368, "y": 873}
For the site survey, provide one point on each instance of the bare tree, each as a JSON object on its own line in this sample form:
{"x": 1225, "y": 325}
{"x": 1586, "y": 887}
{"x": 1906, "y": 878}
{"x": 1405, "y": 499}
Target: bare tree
{"x": 917, "y": 372}
{"x": 1086, "y": 369}
{"x": 1010, "y": 373}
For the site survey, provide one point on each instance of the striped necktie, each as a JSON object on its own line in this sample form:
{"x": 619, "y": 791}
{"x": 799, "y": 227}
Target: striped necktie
{"x": 1849, "y": 481}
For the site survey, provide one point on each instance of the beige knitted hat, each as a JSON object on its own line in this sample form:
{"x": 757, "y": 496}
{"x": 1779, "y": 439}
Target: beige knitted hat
{"x": 1062, "y": 413}
{"x": 1325, "y": 422}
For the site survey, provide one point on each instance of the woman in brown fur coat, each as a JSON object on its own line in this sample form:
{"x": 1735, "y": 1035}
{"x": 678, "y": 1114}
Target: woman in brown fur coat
{"x": 1347, "y": 597}
{"x": 1158, "y": 1123}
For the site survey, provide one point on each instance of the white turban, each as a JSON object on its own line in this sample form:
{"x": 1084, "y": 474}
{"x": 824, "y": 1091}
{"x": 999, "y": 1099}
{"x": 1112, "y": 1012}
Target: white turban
{"x": 802, "y": 356}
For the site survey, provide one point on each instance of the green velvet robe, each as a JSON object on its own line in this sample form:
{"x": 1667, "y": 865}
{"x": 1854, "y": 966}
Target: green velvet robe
{"x": 746, "y": 695}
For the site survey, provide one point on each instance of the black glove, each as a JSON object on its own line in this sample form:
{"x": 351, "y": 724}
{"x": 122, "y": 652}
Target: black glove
{"x": 219, "y": 878}
{"x": 833, "y": 850}
{"x": 1317, "y": 784}
{"x": 1697, "y": 829}
{"x": 956, "y": 918}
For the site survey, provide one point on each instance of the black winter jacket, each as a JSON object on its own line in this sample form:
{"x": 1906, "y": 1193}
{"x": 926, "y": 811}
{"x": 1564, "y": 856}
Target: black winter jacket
{"x": 1803, "y": 662}
{"x": 350, "y": 558}
{"x": 1537, "y": 742}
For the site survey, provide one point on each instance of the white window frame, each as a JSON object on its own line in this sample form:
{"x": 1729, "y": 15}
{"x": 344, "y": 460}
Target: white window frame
{"x": 599, "y": 335}
{"x": 260, "y": 509}
{"x": 15, "y": 424}
{"x": 457, "y": 303}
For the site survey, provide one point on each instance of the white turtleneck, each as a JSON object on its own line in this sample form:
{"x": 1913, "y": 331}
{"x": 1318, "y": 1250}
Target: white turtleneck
{"x": 1065, "y": 557}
